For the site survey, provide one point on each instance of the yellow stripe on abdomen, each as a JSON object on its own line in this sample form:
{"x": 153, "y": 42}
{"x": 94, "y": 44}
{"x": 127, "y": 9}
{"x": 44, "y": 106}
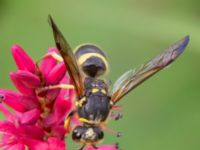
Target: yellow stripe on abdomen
{"x": 86, "y": 56}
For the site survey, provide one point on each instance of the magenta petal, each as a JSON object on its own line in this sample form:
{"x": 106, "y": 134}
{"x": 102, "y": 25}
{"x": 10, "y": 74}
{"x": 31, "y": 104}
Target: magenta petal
{"x": 51, "y": 144}
{"x": 104, "y": 147}
{"x": 59, "y": 131}
{"x": 22, "y": 60}
{"x": 13, "y": 100}
{"x": 8, "y": 140}
{"x": 29, "y": 102}
{"x": 48, "y": 63}
{"x": 16, "y": 147}
{"x": 29, "y": 117}
{"x": 52, "y": 94}
{"x": 56, "y": 74}
{"x": 30, "y": 131}
{"x": 7, "y": 128}
{"x": 25, "y": 81}
{"x": 62, "y": 107}
{"x": 7, "y": 113}
{"x": 35, "y": 144}
{"x": 56, "y": 144}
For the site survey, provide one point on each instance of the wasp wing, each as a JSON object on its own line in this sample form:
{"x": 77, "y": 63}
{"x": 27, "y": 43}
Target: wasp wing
{"x": 68, "y": 57}
{"x": 133, "y": 78}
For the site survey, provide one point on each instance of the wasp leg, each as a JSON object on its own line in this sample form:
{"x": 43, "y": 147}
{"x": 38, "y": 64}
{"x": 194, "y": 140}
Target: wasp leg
{"x": 68, "y": 120}
{"x": 116, "y": 116}
{"x": 115, "y": 133}
{"x": 82, "y": 147}
{"x": 94, "y": 146}
{"x": 117, "y": 146}
{"x": 115, "y": 107}
{"x": 58, "y": 86}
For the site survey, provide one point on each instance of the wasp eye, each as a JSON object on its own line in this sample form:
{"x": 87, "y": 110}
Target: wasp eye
{"x": 78, "y": 132}
{"x": 100, "y": 135}
{"x": 76, "y": 135}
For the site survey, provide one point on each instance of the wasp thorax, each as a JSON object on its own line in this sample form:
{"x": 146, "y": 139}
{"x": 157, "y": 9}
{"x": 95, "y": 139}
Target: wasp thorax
{"x": 92, "y": 60}
{"x": 87, "y": 134}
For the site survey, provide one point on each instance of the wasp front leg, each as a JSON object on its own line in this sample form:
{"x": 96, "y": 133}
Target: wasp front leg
{"x": 58, "y": 86}
{"x": 68, "y": 120}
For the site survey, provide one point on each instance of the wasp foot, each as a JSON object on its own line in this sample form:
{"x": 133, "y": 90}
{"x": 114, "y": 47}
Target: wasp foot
{"x": 116, "y": 116}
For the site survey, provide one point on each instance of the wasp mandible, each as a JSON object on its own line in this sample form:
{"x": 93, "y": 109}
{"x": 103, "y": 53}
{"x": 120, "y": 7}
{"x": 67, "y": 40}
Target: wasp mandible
{"x": 94, "y": 102}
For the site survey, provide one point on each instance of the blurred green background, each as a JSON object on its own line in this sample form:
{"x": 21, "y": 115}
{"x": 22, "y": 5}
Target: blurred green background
{"x": 161, "y": 114}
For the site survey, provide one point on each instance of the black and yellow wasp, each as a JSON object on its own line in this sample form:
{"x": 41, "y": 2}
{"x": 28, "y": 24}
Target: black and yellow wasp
{"x": 94, "y": 102}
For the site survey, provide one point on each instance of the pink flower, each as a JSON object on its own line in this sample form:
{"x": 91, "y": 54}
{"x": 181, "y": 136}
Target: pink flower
{"x": 36, "y": 120}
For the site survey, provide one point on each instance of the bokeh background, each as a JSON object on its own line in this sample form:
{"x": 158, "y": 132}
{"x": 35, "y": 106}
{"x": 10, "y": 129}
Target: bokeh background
{"x": 161, "y": 114}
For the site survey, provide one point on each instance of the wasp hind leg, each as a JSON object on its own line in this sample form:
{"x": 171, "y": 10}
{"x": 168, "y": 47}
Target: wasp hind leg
{"x": 82, "y": 148}
{"x": 68, "y": 120}
{"x": 94, "y": 146}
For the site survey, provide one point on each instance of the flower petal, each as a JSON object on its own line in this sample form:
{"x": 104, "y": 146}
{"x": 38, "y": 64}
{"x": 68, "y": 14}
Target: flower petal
{"x": 18, "y": 146}
{"x": 59, "y": 131}
{"x": 35, "y": 144}
{"x": 7, "y": 140}
{"x": 29, "y": 102}
{"x": 29, "y": 117}
{"x": 30, "y": 131}
{"x": 63, "y": 105}
{"x": 48, "y": 63}
{"x": 51, "y": 144}
{"x": 12, "y": 99}
{"x": 7, "y": 113}
{"x": 56, "y": 144}
{"x": 25, "y": 81}
{"x": 56, "y": 74}
{"x": 7, "y": 128}
{"x": 22, "y": 60}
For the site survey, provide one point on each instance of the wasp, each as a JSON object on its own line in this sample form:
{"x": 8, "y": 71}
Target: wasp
{"x": 94, "y": 101}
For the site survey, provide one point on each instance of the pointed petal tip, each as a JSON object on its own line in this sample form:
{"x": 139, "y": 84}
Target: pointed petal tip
{"x": 52, "y": 49}
{"x": 15, "y": 47}
{"x": 25, "y": 81}
{"x": 22, "y": 59}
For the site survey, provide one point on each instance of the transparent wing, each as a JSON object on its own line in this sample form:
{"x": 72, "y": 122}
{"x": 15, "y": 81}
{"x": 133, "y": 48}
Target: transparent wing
{"x": 68, "y": 57}
{"x": 133, "y": 78}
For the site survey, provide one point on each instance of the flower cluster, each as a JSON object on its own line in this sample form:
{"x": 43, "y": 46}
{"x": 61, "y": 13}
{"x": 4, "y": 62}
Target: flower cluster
{"x": 36, "y": 118}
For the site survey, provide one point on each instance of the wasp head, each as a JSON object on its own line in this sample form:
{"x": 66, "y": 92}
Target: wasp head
{"x": 85, "y": 134}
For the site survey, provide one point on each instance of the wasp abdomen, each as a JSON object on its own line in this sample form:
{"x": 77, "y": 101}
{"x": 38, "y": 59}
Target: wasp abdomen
{"x": 92, "y": 60}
